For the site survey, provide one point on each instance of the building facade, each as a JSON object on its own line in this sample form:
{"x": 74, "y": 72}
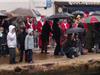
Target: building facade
{"x": 49, "y": 7}
{"x": 74, "y": 6}
{"x": 69, "y": 6}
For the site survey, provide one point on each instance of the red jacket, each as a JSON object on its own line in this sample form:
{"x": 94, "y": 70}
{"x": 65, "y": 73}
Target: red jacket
{"x": 64, "y": 26}
{"x": 39, "y": 26}
{"x": 27, "y": 25}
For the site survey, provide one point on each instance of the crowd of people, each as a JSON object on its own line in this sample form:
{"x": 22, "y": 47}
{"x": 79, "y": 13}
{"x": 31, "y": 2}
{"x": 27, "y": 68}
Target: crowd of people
{"x": 39, "y": 34}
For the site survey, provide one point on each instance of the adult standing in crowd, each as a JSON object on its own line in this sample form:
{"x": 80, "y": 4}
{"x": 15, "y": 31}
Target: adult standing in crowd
{"x": 39, "y": 28}
{"x": 12, "y": 43}
{"x": 56, "y": 36}
{"x": 64, "y": 25}
{"x": 89, "y": 39}
{"x": 78, "y": 24}
{"x": 46, "y": 29}
{"x": 21, "y": 41}
{"x": 3, "y": 42}
{"x": 96, "y": 36}
{"x": 28, "y": 22}
{"x": 34, "y": 25}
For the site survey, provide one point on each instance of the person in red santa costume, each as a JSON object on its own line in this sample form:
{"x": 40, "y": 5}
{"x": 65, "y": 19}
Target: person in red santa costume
{"x": 39, "y": 28}
{"x": 29, "y": 23}
{"x": 65, "y": 25}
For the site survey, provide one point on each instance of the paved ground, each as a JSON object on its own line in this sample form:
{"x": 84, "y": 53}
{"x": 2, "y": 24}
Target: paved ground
{"x": 44, "y": 59}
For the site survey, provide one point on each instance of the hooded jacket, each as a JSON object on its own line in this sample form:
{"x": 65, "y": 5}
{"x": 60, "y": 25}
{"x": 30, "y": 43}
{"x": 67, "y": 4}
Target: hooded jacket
{"x": 11, "y": 38}
{"x": 29, "y": 41}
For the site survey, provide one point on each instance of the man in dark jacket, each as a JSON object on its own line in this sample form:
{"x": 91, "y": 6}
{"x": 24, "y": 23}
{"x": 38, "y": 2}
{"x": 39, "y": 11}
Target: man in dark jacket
{"x": 21, "y": 41}
{"x": 96, "y": 32}
{"x": 56, "y": 36}
{"x": 46, "y": 29}
{"x": 3, "y": 42}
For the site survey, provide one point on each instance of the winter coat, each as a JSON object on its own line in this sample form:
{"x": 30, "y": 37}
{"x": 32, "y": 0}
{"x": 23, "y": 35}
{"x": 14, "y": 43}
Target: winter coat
{"x": 27, "y": 26}
{"x": 11, "y": 38}
{"x": 3, "y": 39}
{"x": 57, "y": 33}
{"x": 39, "y": 26}
{"x": 21, "y": 39}
{"x": 56, "y": 30}
{"x": 65, "y": 26}
{"x": 46, "y": 29}
{"x": 29, "y": 41}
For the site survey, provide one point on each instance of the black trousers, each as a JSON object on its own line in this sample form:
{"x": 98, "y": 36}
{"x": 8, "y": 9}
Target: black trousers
{"x": 22, "y": 49}
{"x": 12, "y": 53}
{"x": 58, "y": 48}
{"x": 44, "y": 46}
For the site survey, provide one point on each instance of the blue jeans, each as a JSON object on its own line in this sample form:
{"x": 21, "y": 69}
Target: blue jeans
{"x": 29, "y": 55}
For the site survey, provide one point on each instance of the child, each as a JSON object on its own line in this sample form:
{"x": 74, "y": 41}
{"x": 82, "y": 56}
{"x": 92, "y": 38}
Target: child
{"x": 29, "y": 45}
{"x": 12, "y": 43}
